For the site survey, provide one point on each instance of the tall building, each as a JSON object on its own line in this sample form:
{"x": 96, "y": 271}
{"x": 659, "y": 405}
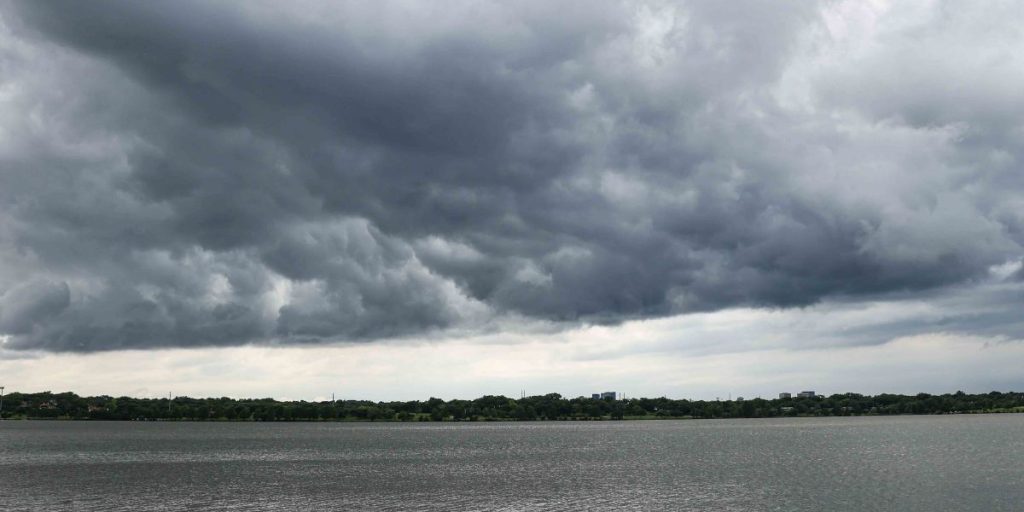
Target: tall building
{"x": 785, "y": 395}
{"x": 805, "y": 394}
{"x": 608, "y": 394}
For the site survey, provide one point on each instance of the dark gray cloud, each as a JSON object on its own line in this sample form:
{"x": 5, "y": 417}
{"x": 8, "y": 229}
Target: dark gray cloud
{"x": 188, "y": 173}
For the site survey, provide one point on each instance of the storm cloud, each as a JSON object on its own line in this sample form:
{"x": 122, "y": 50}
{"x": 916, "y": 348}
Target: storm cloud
{"x": 193, "y": 173}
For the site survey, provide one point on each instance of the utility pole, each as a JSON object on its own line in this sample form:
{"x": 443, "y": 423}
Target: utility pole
{"x": 1, "y": 402}
{"x": 168, "y": 402}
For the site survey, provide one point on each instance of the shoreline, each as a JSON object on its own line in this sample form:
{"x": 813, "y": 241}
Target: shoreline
{"x": 47, "y": 406}
{"x": 498, "y": 420}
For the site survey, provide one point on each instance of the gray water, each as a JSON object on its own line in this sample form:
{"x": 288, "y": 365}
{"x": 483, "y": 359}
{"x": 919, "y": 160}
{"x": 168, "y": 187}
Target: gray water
{"x": 900, "y": 463}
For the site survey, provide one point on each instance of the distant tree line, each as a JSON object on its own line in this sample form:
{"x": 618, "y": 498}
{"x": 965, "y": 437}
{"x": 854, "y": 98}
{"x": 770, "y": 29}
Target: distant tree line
{"x": 494, "y": 408}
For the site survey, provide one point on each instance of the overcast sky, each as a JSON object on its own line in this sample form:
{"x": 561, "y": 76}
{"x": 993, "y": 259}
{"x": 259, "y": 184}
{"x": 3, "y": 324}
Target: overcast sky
{"x": 404, "y": 199}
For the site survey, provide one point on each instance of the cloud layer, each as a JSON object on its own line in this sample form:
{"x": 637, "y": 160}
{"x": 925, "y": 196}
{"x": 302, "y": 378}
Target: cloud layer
{"x": 196, "y": 174}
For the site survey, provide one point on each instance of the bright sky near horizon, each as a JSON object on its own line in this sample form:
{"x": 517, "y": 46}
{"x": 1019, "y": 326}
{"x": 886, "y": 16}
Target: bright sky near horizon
{"x": 400, "y": 200}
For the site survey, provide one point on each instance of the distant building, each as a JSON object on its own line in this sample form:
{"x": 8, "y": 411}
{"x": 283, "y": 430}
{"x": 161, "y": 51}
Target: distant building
{"x": 805, "y": 394}
{"x": 596, "y": 396}
{"x": 739, "y": 399}
{"x": 785, "y": 395}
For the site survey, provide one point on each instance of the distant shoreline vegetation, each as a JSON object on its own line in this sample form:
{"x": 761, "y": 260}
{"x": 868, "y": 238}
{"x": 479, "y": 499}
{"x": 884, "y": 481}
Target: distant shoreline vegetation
{"x": 69, "y": 406}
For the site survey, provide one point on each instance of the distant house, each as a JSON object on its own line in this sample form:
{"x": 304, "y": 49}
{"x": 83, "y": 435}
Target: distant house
{"x": 805, "y": 394}
{"x": 785, "y": 395}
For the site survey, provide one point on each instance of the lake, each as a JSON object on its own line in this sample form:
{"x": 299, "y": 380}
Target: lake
{"x": 970, "y": 462}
